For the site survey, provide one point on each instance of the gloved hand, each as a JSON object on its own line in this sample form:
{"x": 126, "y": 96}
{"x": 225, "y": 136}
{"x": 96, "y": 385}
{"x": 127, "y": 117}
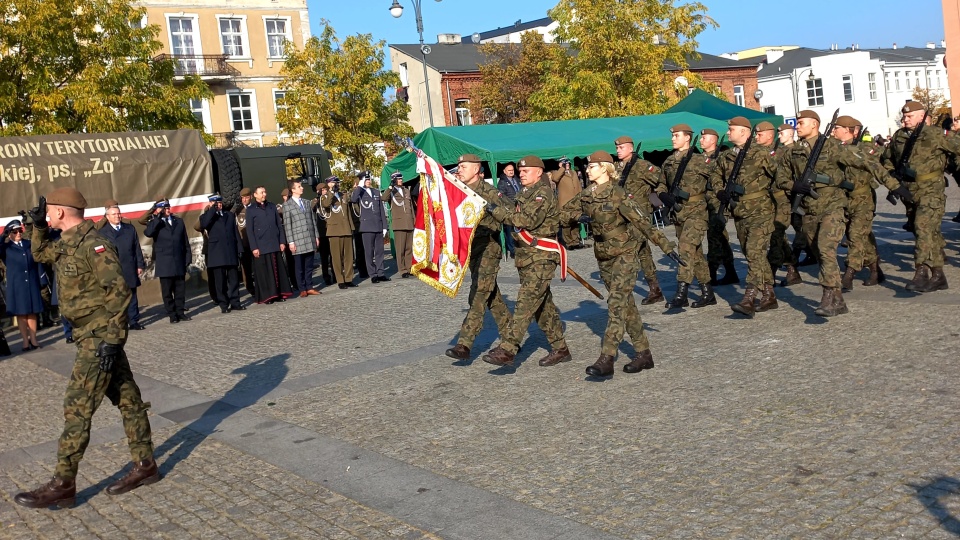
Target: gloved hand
{"x": 108, "y": 354}
{"x": 676, "y": 258}
{"x": 723, "y": 197}
{"x": 903, "y": 194}
{"x": 23, "y": 216}
{"x": 38, "y": 214}
{"x": 384, "y": 233}
{"x": 584, "y": 219}
{"x": 801, "y": 188}
{"x": 668, "y": 200}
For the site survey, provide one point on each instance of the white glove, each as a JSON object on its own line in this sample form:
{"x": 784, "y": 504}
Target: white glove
{"x": 384, "y": 232}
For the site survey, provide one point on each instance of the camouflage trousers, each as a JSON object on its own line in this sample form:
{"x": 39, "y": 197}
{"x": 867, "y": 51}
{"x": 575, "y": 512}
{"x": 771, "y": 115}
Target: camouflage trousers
{"x": 645, "y": 257}
{"x": 690, "y": 248}
{"x": 719, "y": 252}
{"x": 861, "y": 243}
{"x": 931, "y": 202}
{"x": 571, "y": 236}
{"x": 535, "y": 301}
{"x": 85, "y": 392}
{"x": 484, "y": 291}
{"x": 754, "y": 233}
{"x": 619, "y": 277}
{"x": 781, "y": 252}
{"x": 825, "y": 231}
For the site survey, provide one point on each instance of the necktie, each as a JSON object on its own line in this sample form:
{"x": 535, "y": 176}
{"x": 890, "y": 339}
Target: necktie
{"x": 19, "y": 245}
{"x": 301, "y": 204}
{"x": 170, "y": 222}
{"x": 117, "y": 228}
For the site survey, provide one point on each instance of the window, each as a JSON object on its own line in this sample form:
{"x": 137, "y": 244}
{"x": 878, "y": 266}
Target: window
{"x": 770, "y": 109}
{"x": 185, "y": 44}
{"x": 896, "y": 79}
{"x": 886, "y": 82}
{"x": 938, "y": 78}
{"x": 403, "y": 75}
{"x": 738, "y": 94}
{"x": 908, "y": 86}
{"x": 196, "y": 107}
{"x": 277, "y": 36}
{"x": 231, "y": 35}
{"x": 847, "y": 88}
{"x": 277, "y": 106}
{"x": 929, "y": 81}
{"x": 241, "y": 111}
{"x": 463, "y": 112}
{"x": 815, "y": 92}
{"x": 872, "y": 82}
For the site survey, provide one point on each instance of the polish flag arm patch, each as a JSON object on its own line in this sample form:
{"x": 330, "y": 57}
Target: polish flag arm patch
{"x": 100, "y": 249}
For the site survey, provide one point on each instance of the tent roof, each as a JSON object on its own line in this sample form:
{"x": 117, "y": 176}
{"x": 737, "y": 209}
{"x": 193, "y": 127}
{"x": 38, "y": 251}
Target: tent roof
{"x": 705, "y": 104}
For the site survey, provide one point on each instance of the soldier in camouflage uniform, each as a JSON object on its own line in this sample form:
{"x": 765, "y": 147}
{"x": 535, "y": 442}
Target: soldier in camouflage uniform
{"x": 690, "y": 213}
{"x": 638, "y": 177}
{"x": 94, "y": 298}
{"x": 615, "y": 220}
{"x": 719, "y": 251}
{"x": 753, "y": 211}
{"x": 861, "y": 207}
{"x": 485, "y": 253}
{"x": 534, "y": 216}
{"x": 923, "y": 179}
{"x": 781, "y": 253}
{"x": 824, "y": 219}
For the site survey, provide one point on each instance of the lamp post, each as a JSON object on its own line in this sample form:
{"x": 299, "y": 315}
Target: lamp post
{"x": 794, "y": 79}
{"x": 397, "y": 10}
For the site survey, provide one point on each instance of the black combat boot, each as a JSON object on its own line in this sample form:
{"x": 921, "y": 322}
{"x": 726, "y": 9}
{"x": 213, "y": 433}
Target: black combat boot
{"x": 769, "y": 299}
{"x": 639, "y": 362}
{"x": 707, "y": 297}
{"x": 876, "y": 276}
{"x": 58, "y": 491}
{"x": 745, "y": 305}
{"x": 603, "y": 367}
{"x": 920, "y": 279}
{"x": 680, "y": 300}
{"x": 938, "y": 281}
{"x": 956, "y": 218}
{"x": 730, "y": 276}
{"x": 846, "y": 282}
{"x": 656, "y": 294}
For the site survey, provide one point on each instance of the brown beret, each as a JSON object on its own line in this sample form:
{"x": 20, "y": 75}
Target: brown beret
{"x": 809, "y": 114}
{"x": 285, "y": 193}
{"x": 785, "y": 126}
{"x": 67, "y": 196}
{"x": 600, "y": 157}
{"x": 110, "y": 203}
{"x": 739, "y": 121}
{"x": 911, "y": 106}
{"x": 469, "y": 158}
{"x": 709, "y": 131}
{"x": 623, "y": 139}
{"x": 531, "y": 161}
{"x": 765, "y": 126}
{"x": 848, "y": 122}
{"x": 681, "y": 127}
{"x": 245, "y": 192}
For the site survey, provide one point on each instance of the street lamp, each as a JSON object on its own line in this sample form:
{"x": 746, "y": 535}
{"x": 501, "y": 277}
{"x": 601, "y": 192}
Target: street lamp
{"x": 796, "y": 88}
{"x": 397, "y": 10}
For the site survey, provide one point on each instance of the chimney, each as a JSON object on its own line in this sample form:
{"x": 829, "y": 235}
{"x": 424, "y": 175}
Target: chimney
{"x": 894, "y": 45}
{"x": 931, "y": 45}
{"x": 448, "y": 39}
{"x": 943, "y": 44}
{"x": 773, "y": 55}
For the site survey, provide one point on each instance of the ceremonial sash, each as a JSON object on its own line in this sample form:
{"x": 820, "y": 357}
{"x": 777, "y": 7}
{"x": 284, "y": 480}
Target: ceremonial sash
{"x": 546, "y": 244}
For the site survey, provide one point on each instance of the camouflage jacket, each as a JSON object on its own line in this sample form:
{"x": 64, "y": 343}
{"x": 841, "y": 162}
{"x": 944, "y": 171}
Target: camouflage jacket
{"x": 863, "y": 180}
{"x": 489, "y": 226}
{"x": 929, "y": 159}
{"x": 535, "y": 210}
{"x": 756, "y": 176}
{"x": 617, "y": 220}
{"x": 641, "y": 181}
{"x": 93, "y": 295}
{"x": 695, "y": 181}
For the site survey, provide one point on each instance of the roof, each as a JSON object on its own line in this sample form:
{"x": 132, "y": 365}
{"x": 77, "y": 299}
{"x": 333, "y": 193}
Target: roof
{"x": 800, "y": 58}
{"x": 706, "y": 61}
{"x": 516, "y": 27}
{"x": 792, "y": 60}
{"x": 705, "y": 104}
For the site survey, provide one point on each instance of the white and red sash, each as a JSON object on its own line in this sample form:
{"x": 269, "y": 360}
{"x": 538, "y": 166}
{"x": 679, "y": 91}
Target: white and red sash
{"x": 546, "y": 244}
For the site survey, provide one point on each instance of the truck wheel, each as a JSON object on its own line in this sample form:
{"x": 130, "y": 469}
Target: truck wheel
{"x": 227, "y": 179}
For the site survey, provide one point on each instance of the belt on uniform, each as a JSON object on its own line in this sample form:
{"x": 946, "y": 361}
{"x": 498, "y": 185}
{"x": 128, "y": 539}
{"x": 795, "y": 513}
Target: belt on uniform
{"x": 693, "y": 198}
{"x": 603, "y": 237}
{"x": 754, "y": 195}
{"x": 546, "y": 244}
{"x": 929, "y": 176}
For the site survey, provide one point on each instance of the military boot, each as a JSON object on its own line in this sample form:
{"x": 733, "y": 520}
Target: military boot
{"x": 458, "y": 351}
{"x": 639, "y": 362}
{"x": 938, "y": 281}
{"x": 839, "y": 305}
{"x": 876, "y": 276}
{"x": 603, "y": 367}
{"x": 745, "y": 306}
{"x": 499, "y": 357}
{"x": 730, "y": 276}
{"x": 555, "y": 357}
{"x": 707, "y": 298}
{"x": 769, "y": 299}
{"x": 846, "y": 282}
{"x": 680, "y": 300}
{"x": 713, "y": 267}
{"x": 656, "y": 294}
{"x": 58, "y": 491}
{"x": 920, "y": 279}
{"x": 832, "y": 303}
{"x": 143, "y": 473}
{"x": 809, "y": 260}
{"x": 792, "y": 277}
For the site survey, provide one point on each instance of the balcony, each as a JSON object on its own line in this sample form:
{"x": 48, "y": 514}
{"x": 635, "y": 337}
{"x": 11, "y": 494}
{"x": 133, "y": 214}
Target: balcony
{"x": 209, "y": 67}
{"x": 227, "y": 139}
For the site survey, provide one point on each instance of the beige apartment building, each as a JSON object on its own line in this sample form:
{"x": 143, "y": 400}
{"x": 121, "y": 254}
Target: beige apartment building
{"x": 236, "y": 47}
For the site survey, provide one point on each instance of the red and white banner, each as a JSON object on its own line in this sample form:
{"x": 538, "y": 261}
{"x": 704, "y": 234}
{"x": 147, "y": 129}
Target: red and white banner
{"x": 447, "y": 216}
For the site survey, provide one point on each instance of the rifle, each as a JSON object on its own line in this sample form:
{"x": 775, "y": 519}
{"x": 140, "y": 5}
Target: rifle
{"x": 628, "y": 166}
{"x": 810, "y": 176}
{"x": 734, "y": 190}
{"x": 675, "y": 190}
{"x": 903, "y": 172}
{"x": 859, "y": 138}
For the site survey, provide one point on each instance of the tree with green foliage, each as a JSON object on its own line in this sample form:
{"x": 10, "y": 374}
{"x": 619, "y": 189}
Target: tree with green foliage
{"x": 69, "y": 66}
{"x": 334, "y": 96}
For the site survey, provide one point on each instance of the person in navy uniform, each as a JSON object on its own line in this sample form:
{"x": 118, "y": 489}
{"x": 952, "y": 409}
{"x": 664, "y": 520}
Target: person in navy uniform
{"x": 123, "y": 235}
{"x": 224, "y": 250}
{"x": 373, "y": 226}
{"x": 171, "y": 256}
{"x": 23, "y": 282}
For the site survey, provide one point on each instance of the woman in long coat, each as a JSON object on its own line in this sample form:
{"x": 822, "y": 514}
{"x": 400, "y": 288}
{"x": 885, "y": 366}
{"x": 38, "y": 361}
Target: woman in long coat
{"x": 23, "y": 282}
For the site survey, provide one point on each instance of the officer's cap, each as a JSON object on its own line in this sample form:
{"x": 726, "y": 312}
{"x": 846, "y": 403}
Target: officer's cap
{"x": 215, "y": 198}
{"x": 67, "y": 196}
{"x": 765, "y": 126}
{"x": 848, "y": 122}
{"x": 469, "y": 158}
{"x": 709, "y": 131}
{"x": 911, "y": 106}
{"x": 739, "y": 121}
{"x": 396, "y": 174}
{"x": 531, "y": 161}
{"x": 682, "y": 127}
{"x": 163, "y": 204}
{"x": 245, "y": 192}
{"x": 809, "y": 114}
{"x": 332, "y": 180}
{"x": 623, "y": 139}
{"x": 14, "y": 225}
{"x": 363, "y": 175}
{"x": 600, "y": 157}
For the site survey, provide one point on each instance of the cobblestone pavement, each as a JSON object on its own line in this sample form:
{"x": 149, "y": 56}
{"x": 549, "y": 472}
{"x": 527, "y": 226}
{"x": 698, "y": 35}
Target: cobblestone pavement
{"x": 338, "y": 416}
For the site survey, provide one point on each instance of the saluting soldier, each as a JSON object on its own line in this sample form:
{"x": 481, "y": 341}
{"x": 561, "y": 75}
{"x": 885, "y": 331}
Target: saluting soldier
{"x": 781, "y": 252}
{"x": 617, "y": 223}
{"x": 224, "y": 250}
{"x": 485, "y": 255}
{"x": 719, "y": 251}
{"x": 688, "y": 198}
{"x": 336, "y": 211}
{"x": 402, "y": 221}
{"x": 94, "y": 298}
{"x": 373, "y": 226}
{"x": 638, "y": 177}
{"x": 923, "y": 179}
{"x": 535, "y": 217}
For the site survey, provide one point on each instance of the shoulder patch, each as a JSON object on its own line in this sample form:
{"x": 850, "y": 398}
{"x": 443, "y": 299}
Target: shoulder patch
{"x": 651, "y": 168}
{"x": 538, "y": 198}
{"x": 100, "y": 249}
{"x": 629, "y": 195}
{"x": 872, "y": 151}
{"x": 773, "y": 152}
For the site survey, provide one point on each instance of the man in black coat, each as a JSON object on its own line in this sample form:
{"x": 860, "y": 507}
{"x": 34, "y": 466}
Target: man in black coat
{"x": 125, "y": 237}
{"x": 224, "y": 250}
{"x": 171, "y": 255}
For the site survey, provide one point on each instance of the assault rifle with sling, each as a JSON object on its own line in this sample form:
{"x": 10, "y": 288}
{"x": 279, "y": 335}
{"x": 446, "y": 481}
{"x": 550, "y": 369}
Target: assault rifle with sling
{"x": 810, "y": 176}
{"x": 629, "y": 166}
{"x": 903, "y": 171}
{"x": 678, "y": 194}
{"x": 733, "y": 189}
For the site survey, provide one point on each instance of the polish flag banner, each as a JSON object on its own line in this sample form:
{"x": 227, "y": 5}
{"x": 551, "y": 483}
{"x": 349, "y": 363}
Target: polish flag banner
{"x": 447, "y": 215}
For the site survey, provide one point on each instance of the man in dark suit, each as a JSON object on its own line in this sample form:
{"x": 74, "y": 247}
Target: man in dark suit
{"x": 224, "y": 250}
{"x": 125, "y": 237}
{"x": 267, "y": 244}
{"x": 171, "y": 255}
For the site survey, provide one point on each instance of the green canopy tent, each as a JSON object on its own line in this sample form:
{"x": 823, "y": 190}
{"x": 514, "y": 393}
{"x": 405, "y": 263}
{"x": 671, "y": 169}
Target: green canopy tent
{"x": 706, "y": 104}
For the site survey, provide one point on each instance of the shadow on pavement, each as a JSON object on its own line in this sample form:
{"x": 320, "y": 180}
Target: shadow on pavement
{"x": 930, "y": 495}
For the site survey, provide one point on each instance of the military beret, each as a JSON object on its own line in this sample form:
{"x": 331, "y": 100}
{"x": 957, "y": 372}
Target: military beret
{"x": 245, "y": 192}
{"x": 709, "y": 131}
{"x": 215, "y": 198}
{"x": 623, "y": 139}
{"x": 785, "y": 126}
{"x": 765, "y": 126}
{"x": 848, "y": 122}
{"x": 285, "y": 193}
{"x": 911, "y": 106}
{"x": 739, "y": 121}
{"x": 809, "y": 114}
{"x": 681, "y": 127}
{"x": 531, "y": 161}
{"x": 600, "y": 157}
{"x": 110, "y": 203}
{"x": 469, "y": 158}
{"x": 67, "y": 196}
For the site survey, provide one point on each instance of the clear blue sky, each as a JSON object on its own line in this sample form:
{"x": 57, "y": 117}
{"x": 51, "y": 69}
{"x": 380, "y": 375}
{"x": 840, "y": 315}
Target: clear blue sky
{"x": 743, "y": 23}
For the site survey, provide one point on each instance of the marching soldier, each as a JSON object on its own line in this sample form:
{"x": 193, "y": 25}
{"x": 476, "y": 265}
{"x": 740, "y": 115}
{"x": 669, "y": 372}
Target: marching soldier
{"x": 567, "y": 185}
{"x": 719, "y": 251}
{"x": 402, "y": 220}
{"x": 781, "y": 252}
{"x": 336, "y": 211}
